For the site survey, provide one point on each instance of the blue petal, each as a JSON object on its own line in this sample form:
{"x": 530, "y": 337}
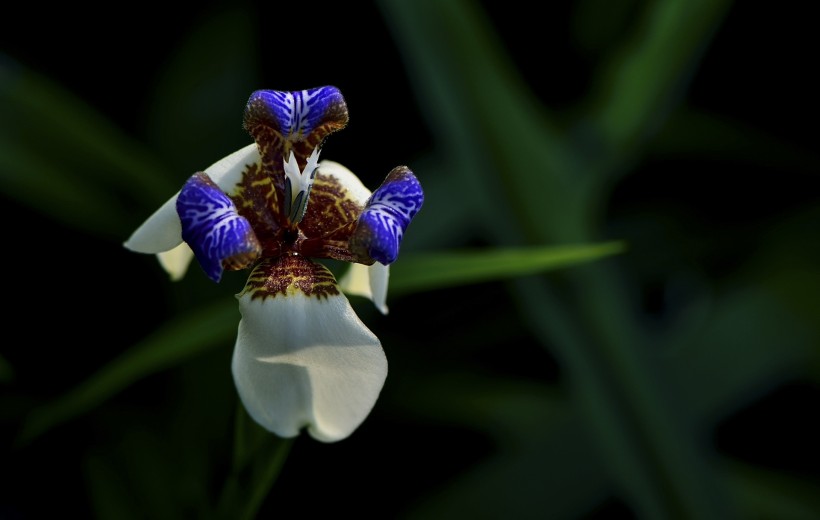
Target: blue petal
{"x": 211, "y": 225}
{"x": 295, "y": 115}
{"x": 384, "y": 220}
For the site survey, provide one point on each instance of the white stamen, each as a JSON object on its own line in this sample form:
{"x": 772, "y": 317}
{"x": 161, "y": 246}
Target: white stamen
{"x": 298, "y": 184}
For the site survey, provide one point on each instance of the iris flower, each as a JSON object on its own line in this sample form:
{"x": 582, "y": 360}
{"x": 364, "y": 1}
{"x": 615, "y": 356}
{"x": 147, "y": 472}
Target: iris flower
{"x": 302, "y": 357}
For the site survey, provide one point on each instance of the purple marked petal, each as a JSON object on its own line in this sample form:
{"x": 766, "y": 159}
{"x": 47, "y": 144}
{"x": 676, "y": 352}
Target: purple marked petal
{"x": 295, "y": 115}
{"x": 211, "y": 225}
{"x": 384, "y": 220}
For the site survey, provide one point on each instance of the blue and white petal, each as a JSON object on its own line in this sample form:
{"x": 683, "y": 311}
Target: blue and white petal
{"x": 295, "y": 115}
{"x": 369, "y": 281}
{"x": 384, "y": 220}
{"x": 218, "y": 235}
{"x": 302, "y": 356}
{"x": 162, "y": 231}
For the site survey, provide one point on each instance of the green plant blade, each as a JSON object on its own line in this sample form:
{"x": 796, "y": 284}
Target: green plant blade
{"x": 204, "y": 85}
{"x": 6, "y": 372}
{"x": 110, "y": 496}
{"x": 770, "y": 494}
{"x": 422, "y": 272}
{"x": 258, "y": 458}
{"x": 53, "y": 190}
{"x": 647, "y": 77}
{"x": 694, "y": 133}
{"x": 43, "y": 117}
{"x": 187, "y": 336}
{"x": 505, "y": 149}
{"x": 534, "y": 428}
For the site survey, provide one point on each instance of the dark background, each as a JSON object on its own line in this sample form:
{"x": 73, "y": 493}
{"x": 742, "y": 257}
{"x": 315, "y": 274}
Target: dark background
{"x": 705, "y": 213}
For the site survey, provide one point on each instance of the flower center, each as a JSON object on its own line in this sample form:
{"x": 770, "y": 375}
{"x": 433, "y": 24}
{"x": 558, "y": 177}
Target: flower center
{"x": 297, "y": 185}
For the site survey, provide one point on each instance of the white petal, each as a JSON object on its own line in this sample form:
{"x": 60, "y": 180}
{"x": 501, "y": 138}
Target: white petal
{"x": 358, "y": 191}
{"x": 304, "y": 361}
{"x": 368, "y": 281}
{"x": 379, "y": 276}
{"x": 176, "y": 261}
{"x": 227, "y": 172}
{"x": 162, "y": 231}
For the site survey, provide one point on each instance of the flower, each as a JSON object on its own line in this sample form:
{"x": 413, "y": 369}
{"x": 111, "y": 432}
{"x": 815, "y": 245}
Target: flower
{"x": 302, "y": 357}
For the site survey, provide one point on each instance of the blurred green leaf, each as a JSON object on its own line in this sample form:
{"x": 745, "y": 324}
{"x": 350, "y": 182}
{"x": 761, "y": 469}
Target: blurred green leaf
{"x": 196, "y": 110}
{"x": 692, "y": 133}
{"x": 6, "y": 372}
{"x": 506, "y": 151}
{"x": 136, "y": 476}
{"x": 440, "y": 206}
{"x": 258, "y": 458}
{"x": 598, "y": 25}
{"x": 757, "y": 329}
{"x": 178, "y": 340}
{"x": 639, "y": 419}
{"x": 533, "y": 427}
{"x": 55, "y": 191}
{"x": 506, "y": 148}
{"x": 43, "y": 120}
{"x": 767, "y": 494}
{"x": 649, "y": 74}
{"x": 424, "y": 271}
{"x": 110, "y": 492}
{"x": 730, "y": 353}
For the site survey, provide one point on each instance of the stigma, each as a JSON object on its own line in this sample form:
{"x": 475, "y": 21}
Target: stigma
{"x": 297, "y": 185}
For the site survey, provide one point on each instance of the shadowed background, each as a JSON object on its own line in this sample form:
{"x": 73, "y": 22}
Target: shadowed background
{"x": 676, "y": 379}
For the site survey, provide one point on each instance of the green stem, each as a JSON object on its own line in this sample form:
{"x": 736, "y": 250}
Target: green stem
{"x": 266, "y": 478}
{"x": 258, "y": 457}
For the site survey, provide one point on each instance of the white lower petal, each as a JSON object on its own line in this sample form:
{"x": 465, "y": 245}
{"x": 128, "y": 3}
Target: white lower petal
{"x": 162, "y": 230}
{"x": 368, "y": 281}
{"x": 304, "y": 361}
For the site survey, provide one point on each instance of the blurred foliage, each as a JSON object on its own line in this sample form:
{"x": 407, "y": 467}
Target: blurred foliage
{"x": 606, "y": 308}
